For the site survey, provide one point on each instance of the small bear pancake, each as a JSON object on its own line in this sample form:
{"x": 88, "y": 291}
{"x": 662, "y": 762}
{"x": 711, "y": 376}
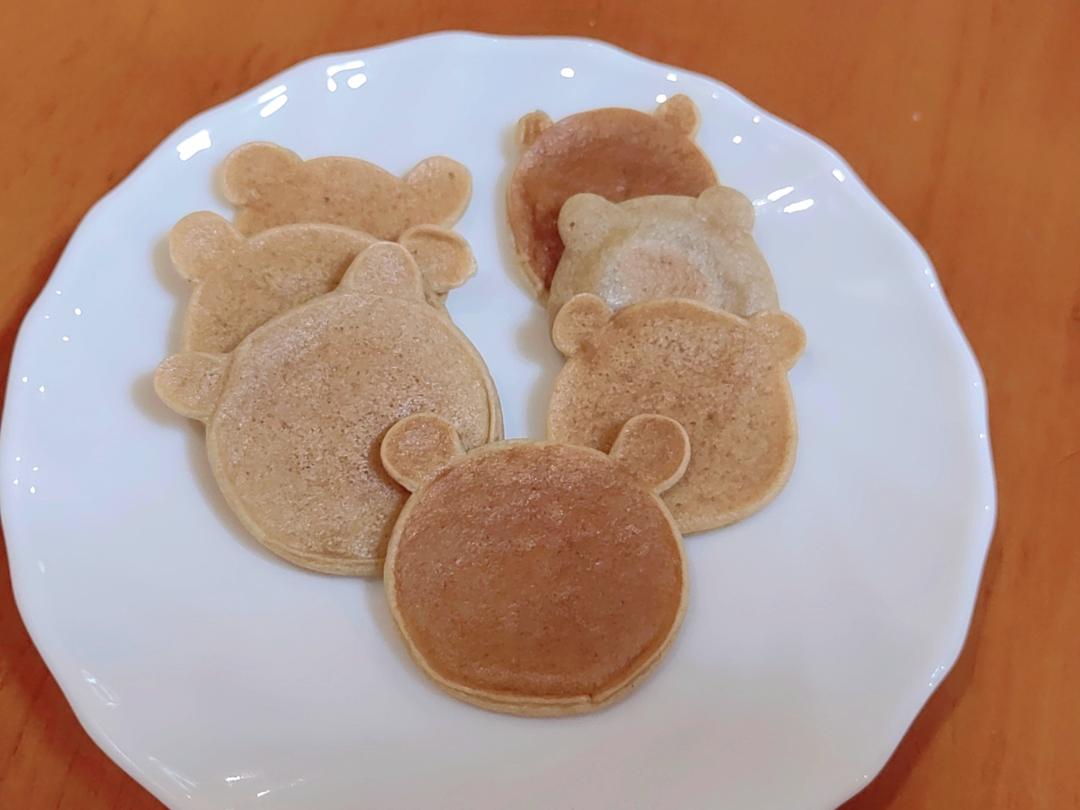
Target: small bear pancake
{"x": 296, "y": 413}
{"x": 613, "y": 152}
{"x": 536, "y": 578}
{"x": 663, "y": 247}
{"x": 270, "y": 186}
{"x": 241, "y": 283}
{"x": 722, "y": 377}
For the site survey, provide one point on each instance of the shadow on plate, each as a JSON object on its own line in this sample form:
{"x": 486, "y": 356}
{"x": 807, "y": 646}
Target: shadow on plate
{"x": 148, "y": 403}
{"x": 533, "y": 337}
{"x": 146, "y": 400}
{"x": 176, "y": 284}
{"x": 534, "y": 340}
{"x": 380, "y": 614}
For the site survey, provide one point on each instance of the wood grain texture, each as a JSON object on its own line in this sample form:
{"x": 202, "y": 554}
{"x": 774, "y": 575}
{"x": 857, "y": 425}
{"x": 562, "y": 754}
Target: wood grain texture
{"x": 962, "y": 115}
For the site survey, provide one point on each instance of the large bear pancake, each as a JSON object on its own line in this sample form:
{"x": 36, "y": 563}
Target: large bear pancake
{"x": 271, "y": 185}
{"x": 647, "y": 248}
{"x": 722, "y": 377}
{"x": 242, "y": 282}
{"x": 614, "y": 152}
{"x": 536, "y": 578}
{"x": 296, "y": 413}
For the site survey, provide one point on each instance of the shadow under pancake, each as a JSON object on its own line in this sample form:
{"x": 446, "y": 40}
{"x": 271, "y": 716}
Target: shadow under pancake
{"x": 146, "y": 400}
{"x": 179, "y": 287}
{"x": 384, "y": 622}
{"x": 511, "y": 262}
{"x": 533, "y": 338}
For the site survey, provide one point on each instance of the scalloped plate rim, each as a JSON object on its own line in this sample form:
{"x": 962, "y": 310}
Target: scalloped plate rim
{"x": 52, "y": 656}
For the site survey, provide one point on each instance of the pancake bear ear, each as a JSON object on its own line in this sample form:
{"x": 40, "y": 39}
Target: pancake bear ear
{"x": 586, "y": 219}
{"x": 680, "y": 113}
{"x": 530, "y": 126}
{"x": 417, "y": 447}
{"x": 200, "y": 243}
{"x": 782, "y": 333}
{"x": 440, "y": 190}
{"x": 385, "y": 268}
{"x": 444, "y": 258}
{"x": 727, "y": 208}
{"x": 249, "y": 169}
{"x": 191, "y": 383}
{"x": 578, "y": 320}
{"x": 655, "y": 449}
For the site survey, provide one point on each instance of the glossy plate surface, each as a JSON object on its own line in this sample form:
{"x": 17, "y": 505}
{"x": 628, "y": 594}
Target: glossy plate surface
{"x": 220, "y": 677}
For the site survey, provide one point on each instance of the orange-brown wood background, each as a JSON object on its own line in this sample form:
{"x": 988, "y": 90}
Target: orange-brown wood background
{"x": 962, "y": 115}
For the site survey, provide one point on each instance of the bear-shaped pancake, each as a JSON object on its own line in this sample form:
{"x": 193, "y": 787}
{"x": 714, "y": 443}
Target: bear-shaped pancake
{"x": 722, "y": 377}
{"x": 536, "y": 578}
{"x": 646, "y": 248}
{"x": 242, "y": 282}
{"x": 271, "y": 185}
{"x": 614, "y": 152}
{"x": 295, "y": 414}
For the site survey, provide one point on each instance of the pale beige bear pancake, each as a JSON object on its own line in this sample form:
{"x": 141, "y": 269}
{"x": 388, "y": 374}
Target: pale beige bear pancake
{"x": 536, "y": 578}
{"x": 647, "y": 248}
{"x": 271, "y": 185}
{"x": 294, "y": 416}
{"x": 722, "y": 377}
{"x": 614, "y": 152}
{"x": 242, "y": 282}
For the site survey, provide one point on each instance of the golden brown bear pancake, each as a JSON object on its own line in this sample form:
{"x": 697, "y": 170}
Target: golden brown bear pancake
{"x": 295, "y": 414}
{"x": 614, "y": 152}
{"x": 722, "y": 377}
{"x": 648, "y": 248}
{"x": 536, "y": 578}
{"x": 241, "y": 283}
{"x": 271, "y": 186}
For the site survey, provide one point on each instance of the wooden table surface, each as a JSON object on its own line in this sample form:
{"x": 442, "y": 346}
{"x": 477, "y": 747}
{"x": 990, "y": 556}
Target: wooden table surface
{"x": 962, "y": 115}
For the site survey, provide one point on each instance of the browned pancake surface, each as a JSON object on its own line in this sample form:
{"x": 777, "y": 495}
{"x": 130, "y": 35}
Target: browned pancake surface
{"x": 272, "y": 186}
{"x": 536, "y": 571}
{"x": 295, "y": 437}
{"x": 242, "y": 282}
{"x": 614, "y": 152}
{"x": 708, "y": 371}
{"x": 265, "y": 276}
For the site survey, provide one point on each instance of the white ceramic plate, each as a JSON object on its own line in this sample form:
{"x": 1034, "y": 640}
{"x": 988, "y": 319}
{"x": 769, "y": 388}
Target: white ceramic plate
{"x": 221, "y": 677}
